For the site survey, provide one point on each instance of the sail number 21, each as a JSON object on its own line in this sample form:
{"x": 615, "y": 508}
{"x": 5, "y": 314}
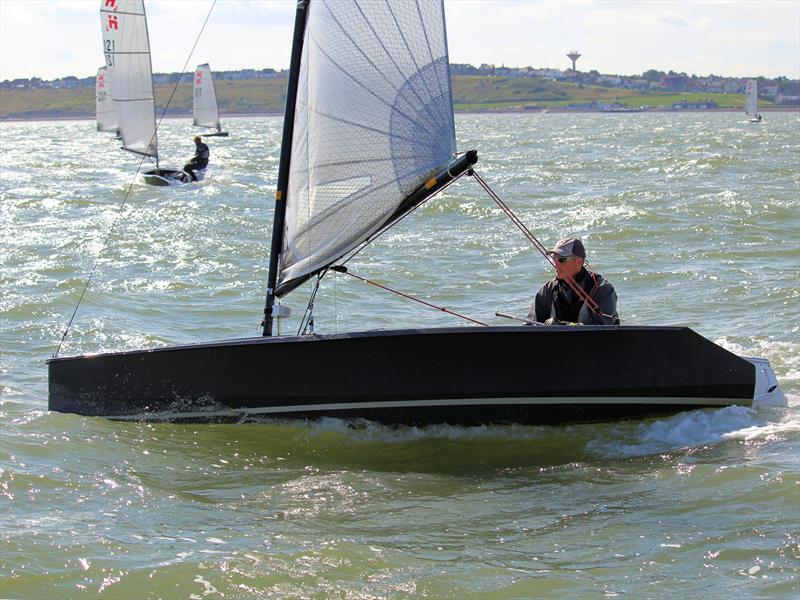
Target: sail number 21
{"x": 109, "y": 51}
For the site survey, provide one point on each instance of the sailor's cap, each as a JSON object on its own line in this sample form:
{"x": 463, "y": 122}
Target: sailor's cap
{"x": 568, "y": 247}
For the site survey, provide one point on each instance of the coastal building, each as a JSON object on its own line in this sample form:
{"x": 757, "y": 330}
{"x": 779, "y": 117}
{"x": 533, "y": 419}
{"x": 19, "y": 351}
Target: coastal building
{"x": 694, "y": 105}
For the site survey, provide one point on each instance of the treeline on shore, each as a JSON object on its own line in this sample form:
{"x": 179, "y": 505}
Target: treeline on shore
{"x": 267, "y": 96}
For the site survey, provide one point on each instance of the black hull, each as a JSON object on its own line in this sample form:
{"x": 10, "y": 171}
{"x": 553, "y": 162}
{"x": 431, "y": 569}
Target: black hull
{"x": 465, "y": 376}
{"x": 218, "y": 134}
{"x": 461, "y": 376}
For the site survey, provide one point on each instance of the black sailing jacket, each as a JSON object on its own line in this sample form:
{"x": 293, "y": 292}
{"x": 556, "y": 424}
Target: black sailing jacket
{"x": 556, "y": 299}
{"x": 201, "y": 154}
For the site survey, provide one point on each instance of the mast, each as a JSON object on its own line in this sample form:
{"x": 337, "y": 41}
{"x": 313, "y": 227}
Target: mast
{"x": 216, "y": 104}
{"x": 283, "y": 168}
{"x": 152, "y": 86}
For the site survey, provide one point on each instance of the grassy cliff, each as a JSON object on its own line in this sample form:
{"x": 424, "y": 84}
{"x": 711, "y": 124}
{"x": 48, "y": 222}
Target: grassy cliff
{"x": 268, "y": 96}
{"x": 248, "y": 96}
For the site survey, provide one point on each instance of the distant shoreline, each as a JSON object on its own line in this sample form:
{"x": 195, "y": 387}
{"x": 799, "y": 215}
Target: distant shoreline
{"x": 505, "y": 111}
{"x": 92, "y": 117}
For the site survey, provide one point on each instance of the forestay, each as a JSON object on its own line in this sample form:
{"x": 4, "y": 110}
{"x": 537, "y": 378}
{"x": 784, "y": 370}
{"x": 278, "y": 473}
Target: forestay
{"x": 104, "y": 106}
{"x": 204, "y": 103}
{"x": 127, "y": 49}
{"x": 374, "y": 120}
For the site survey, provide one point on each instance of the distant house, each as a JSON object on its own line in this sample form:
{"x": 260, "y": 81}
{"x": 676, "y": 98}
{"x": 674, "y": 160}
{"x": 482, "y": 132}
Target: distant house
{"x": 583, "y": 105}
{"x": 463, "y": 69}
{"x": 768, "y": 91}
{"x": 679, "y": 83}
{"x": 609, "y": 80}
{"x": 731, "y": 87}
{"x": 787, "y": 99}
{"x": 595, "y": 105}
{"x": 694, "y": 105}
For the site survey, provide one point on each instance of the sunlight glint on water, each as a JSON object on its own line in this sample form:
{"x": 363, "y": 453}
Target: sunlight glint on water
{"x": 693, "y": 217}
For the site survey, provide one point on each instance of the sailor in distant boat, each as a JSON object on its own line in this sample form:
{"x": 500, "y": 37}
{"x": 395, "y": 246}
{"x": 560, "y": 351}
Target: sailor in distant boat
{"x": 557, "y": 304}
{"x": 199, "y": 160}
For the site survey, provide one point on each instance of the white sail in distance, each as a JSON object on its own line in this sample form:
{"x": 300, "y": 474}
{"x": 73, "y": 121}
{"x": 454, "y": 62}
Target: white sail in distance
{"x": 204, "y": 99}
{"x": 126, "y": 46}
{"x": 104, "y": 102}
{"x": 374, "y": 119}
{"x": 751, "y": 98}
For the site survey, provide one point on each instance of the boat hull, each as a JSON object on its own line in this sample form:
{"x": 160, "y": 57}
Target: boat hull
{"x": 165, "y": 177}
{"x": 461, "y": 376}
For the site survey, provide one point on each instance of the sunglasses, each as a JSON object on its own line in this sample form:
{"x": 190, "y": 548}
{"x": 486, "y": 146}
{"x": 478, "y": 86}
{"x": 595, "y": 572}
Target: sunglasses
{"x": 563, "y": 259}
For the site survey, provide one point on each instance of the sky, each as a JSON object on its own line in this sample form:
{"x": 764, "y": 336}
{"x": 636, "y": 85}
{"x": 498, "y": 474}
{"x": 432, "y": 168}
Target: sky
{"x": 734, "y": 38}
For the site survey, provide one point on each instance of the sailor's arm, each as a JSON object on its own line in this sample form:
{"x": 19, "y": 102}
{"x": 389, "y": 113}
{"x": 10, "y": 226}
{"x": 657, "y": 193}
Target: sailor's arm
{"x": 541, "y": 306}
{"x": 606, "y": 298}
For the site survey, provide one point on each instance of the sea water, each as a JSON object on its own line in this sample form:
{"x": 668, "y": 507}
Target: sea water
{"x": 693, "y": 217}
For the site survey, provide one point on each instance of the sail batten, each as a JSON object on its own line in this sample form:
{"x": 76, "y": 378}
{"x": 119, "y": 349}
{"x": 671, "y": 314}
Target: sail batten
{"x": 356, "y": 197}
{"x": 405, "y": 40}
{"x": 414, "y": 140}
{"x": 368, "y": 90}
{"x": 373, "y": 121}
{"x": 386, "y": 54}
{"x": 356, "y": 162}
{"x": 391, "y": 58}
{"x": 126, "y": 45}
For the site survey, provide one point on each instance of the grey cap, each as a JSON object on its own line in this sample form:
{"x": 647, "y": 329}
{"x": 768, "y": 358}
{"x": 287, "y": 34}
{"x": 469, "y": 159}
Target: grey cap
{"x": 568, "y": 247}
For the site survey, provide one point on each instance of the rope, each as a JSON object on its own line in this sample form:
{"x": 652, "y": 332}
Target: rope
{"x": 343, "y": 269}
{"x": 570, "y": 281}
{"x": 97, "y": 260}
{"x": 125, "y": 199}
{"x": 308, "y": 316}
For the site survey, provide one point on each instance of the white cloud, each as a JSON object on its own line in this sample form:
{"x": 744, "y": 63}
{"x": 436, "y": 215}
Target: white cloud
{"x": 736, "y": 38}
{"x": 629, "y": 37}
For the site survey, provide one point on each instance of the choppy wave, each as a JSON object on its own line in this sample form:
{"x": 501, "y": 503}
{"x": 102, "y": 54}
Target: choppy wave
{"x": 694, "y": 219}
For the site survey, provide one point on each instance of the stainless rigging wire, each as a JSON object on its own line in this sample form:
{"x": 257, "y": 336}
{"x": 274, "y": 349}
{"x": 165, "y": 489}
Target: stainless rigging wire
{"x": 128, "y": 191}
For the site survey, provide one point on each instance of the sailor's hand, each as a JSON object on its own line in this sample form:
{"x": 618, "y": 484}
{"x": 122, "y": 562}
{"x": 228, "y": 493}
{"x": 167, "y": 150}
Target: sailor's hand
{"x": 554, "y": 321}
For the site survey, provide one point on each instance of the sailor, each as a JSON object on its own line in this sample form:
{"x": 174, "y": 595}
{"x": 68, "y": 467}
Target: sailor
{"x": 558, "y": 304}
{"x": 199, "y": 160}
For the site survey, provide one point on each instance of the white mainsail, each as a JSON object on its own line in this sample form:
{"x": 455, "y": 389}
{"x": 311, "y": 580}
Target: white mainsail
{"x": 104, "y": 105}
{"x": 374, "y": 119}
{"x": 751, "y": 98}
{"x": 126, "y": 45}
{"x": 204, "y": 99}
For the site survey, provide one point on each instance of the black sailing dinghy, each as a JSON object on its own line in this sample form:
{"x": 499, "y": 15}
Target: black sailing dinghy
{"x": 126, "y": 44}
{"x": 369, "y": 134}
{"x": 204, "y": 102}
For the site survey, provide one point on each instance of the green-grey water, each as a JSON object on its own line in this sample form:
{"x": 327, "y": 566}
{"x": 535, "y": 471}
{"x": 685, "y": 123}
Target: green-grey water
{"x": 694, "y": 218}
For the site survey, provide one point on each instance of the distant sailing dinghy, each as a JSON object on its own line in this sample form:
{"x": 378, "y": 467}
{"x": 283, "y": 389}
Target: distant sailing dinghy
{"x": 104, "y": 102}
{"x": 751, "y": 101}
{"x": 126, "y": 44}
{"x": 368, "y": 136}
{"x": 204, "y": 102}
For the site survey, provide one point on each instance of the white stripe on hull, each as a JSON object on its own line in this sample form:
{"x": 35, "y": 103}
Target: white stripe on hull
{"x": 689, "y": 403}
